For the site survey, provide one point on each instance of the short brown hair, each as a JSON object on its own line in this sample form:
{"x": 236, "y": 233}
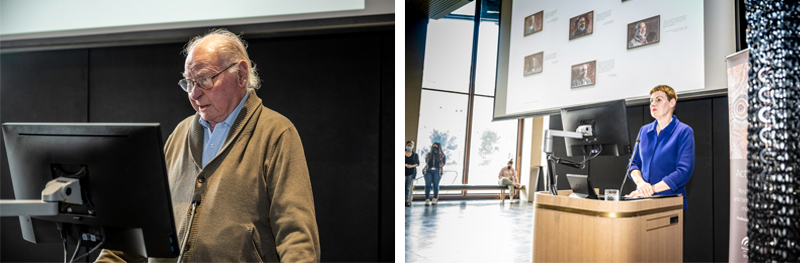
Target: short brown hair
{"x": 667, "y": 90}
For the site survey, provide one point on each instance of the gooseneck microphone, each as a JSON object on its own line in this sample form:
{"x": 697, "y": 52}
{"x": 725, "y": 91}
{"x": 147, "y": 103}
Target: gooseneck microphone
{"x": 195, "y": 202}
{"x": 628, "y": 170}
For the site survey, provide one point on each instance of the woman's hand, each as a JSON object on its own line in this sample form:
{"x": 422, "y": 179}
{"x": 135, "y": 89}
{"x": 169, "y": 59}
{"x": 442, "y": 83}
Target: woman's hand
{"x": 408, "y": 166}
{"x": 635, "y": 193}
{"x": 645, "y": 189}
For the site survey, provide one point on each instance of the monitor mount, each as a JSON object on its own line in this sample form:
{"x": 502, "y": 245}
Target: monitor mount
{"x": 61, "y": 195}
{"x": 582, "y": 132}
{"x": 62, "y": 189}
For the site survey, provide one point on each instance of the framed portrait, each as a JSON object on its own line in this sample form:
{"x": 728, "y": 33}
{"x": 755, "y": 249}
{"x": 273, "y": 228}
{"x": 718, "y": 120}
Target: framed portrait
{"x": 581, "y": 25}
{"x": 583, "y": 74}
{"x": 644, "y": 32}
{"x": 533, "y": 64}
{"x": 533, "y": 23}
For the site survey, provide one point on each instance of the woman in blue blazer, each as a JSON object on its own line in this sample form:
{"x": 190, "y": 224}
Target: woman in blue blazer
{"x": 665, "y": 159}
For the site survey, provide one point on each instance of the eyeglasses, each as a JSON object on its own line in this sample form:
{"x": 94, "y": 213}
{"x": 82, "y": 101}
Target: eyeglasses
{"x": 205, "y": 83}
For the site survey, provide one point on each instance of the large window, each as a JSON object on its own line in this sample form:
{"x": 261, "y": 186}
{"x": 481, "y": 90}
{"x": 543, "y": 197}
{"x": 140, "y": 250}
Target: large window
{"x": 487, "y": 58}
{"x": 457, "y": 97}
{"x": 448, "y": 51}
{"x": 492, "y": 144}
{"x": 443, "y": 119}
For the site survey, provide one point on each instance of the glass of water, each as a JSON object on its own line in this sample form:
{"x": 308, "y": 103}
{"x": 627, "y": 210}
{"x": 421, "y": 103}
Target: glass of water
{"x": 612, "y": 195}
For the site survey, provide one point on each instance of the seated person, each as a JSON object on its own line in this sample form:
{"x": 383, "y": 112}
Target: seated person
{"x": 508, "y": 177}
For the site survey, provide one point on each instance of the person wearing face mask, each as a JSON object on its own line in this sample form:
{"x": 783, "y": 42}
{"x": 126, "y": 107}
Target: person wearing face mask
{"x": 508, "y": 177}
{"x": 412, "y": 161}
{"x": 434, "y": 161}
{"x": 664, "y": 161}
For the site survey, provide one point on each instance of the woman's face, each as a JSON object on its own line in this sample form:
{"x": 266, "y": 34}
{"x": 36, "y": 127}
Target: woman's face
{"x": 660, "y": 105}
{"x": 409, "y": 145}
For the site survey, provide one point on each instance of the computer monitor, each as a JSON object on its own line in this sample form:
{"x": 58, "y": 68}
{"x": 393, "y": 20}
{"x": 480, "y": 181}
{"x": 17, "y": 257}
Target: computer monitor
{"x": 609, "y": 127}
{"x": 123, "y": 180}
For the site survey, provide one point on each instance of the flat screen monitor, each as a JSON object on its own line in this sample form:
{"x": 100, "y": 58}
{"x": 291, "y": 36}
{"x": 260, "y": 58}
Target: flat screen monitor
{"x": 123, "y": 179}
{"x": 609, "y": 127}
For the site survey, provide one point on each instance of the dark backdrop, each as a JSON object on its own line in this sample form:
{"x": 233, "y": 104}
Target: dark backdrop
{"x": 705, "y": 233}
{"x": 337, "y": 88}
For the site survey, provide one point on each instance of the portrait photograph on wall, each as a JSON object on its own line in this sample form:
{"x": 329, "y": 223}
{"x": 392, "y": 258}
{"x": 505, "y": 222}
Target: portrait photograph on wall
{"x": 533, "y": 23}
{"x": 644, "y": 32}
{"x": 583, "y": 74}
{"x": 533, "y": 64}
{"x": 581, "y": 25}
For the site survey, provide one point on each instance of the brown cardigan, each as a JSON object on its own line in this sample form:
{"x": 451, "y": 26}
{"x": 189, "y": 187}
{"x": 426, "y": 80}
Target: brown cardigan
{"x": 257, "y": 202}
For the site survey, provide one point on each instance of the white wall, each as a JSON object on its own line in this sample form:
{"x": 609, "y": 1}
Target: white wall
{"x": 24, "y": 19}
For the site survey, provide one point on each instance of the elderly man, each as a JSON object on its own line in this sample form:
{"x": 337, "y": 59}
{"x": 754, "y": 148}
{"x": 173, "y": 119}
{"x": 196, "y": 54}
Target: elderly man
{"x": 530, "y": 26}
{"x": 243, "y": 162}
{"x": 581, "y": 28}
{"x": 640, "y": 38}
{"x": 582, "y": 78}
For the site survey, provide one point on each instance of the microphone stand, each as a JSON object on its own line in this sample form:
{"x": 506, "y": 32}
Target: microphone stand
{"x": 628, "y": 170}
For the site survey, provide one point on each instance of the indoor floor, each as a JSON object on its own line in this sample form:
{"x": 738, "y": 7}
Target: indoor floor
{"x": 469, "y": 231}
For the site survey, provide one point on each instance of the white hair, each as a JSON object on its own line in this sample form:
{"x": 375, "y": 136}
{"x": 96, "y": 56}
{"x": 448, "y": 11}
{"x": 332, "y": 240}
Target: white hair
{"x": 639, "y": 25}
{"x": 233, "y": 49}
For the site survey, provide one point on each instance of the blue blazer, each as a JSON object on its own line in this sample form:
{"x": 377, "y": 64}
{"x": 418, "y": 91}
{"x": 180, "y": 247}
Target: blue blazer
{"x": 668, "y": 156}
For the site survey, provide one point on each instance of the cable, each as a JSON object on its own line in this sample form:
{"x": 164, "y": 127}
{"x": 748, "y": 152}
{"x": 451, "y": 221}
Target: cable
{"x": 64, "y": 239}
{"x": 93, "y": 249}
{"x": 596, "y": 154}
{"x": 77, "y": 248}
{"x": 553, "y": 177}
{"x": 591, "y": 156}
{"x": 552, "y": 160}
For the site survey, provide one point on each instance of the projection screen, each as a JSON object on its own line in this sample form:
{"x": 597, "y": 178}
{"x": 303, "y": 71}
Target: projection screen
{"x": 555, "y": 54}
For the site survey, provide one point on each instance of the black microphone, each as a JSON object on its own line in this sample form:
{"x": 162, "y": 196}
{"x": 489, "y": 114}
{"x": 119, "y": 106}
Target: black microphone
{"x": 197, "y": 198}
{"x": 628, "y": 170}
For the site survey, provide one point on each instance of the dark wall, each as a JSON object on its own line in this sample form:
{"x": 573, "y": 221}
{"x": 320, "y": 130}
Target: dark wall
{"x": 416, "y": 32}
{"x": 705, "y": 237}
{"x": 48, "y": 86}
{"x": 338, "y": 90}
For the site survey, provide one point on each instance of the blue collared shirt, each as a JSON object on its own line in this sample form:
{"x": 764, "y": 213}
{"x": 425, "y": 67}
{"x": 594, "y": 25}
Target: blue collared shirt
{"x": 667, "y": 156}
{"x": 212, "y": 141}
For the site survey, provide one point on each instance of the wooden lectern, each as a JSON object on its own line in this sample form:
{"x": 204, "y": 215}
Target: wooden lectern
{"x": 567, "y": 229}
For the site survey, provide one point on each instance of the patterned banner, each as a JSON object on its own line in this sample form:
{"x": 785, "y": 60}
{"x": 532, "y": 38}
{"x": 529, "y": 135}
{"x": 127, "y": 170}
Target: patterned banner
{"x": 738, "y": 69}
